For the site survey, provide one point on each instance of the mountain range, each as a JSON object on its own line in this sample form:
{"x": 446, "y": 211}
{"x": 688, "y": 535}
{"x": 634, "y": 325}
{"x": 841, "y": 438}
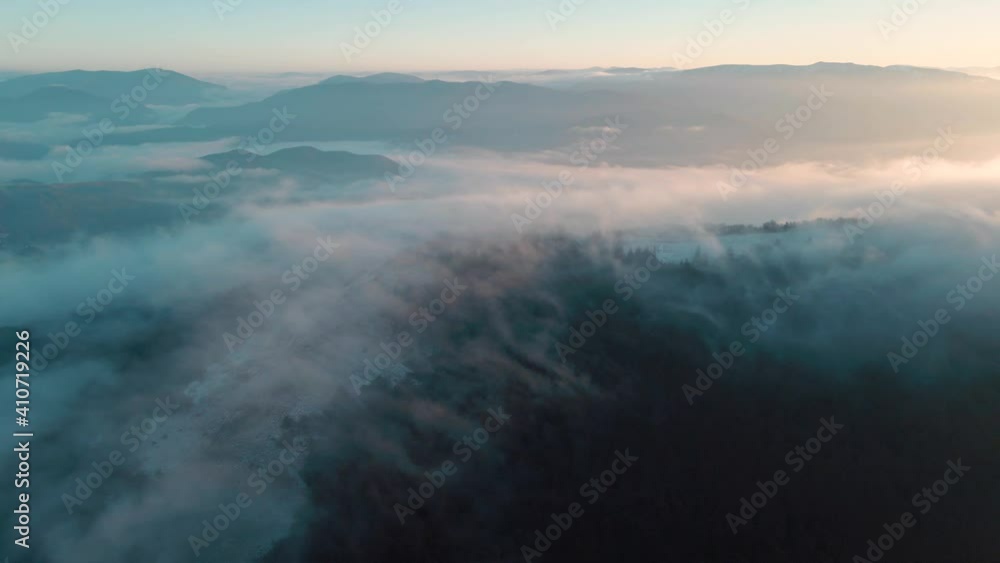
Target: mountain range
{"x": 311, "y": 162}
{"x": 673, "y": 117}
{"x": 171, "y": 88}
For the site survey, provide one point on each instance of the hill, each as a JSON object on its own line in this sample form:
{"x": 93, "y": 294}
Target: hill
{"x": 171, "y": 88}
{"x": 309, "y": 161}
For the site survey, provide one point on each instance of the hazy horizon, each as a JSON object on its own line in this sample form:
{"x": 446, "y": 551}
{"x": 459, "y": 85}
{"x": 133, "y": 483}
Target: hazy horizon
{"x": 358, "y": 71}
{"x": 237, "y": 35}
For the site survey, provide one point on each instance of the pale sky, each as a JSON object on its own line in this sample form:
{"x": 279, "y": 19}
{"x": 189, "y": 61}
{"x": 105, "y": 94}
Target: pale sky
{"x": 307, "y": 35}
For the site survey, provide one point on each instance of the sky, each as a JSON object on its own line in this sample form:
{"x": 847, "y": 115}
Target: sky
{"x": 321, "y": 36}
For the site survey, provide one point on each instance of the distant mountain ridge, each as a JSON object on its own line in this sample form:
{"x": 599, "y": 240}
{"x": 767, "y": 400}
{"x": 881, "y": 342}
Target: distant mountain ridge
{"x": 149, "y": 86}
{"x": 310, "y": 161}
{"x": 826, "y": 68}
{"x": 497, "y": 113}
{"x": 381, "y": 78}
{"x": 696, "y": 116}
{"x": 987, "y": 72}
